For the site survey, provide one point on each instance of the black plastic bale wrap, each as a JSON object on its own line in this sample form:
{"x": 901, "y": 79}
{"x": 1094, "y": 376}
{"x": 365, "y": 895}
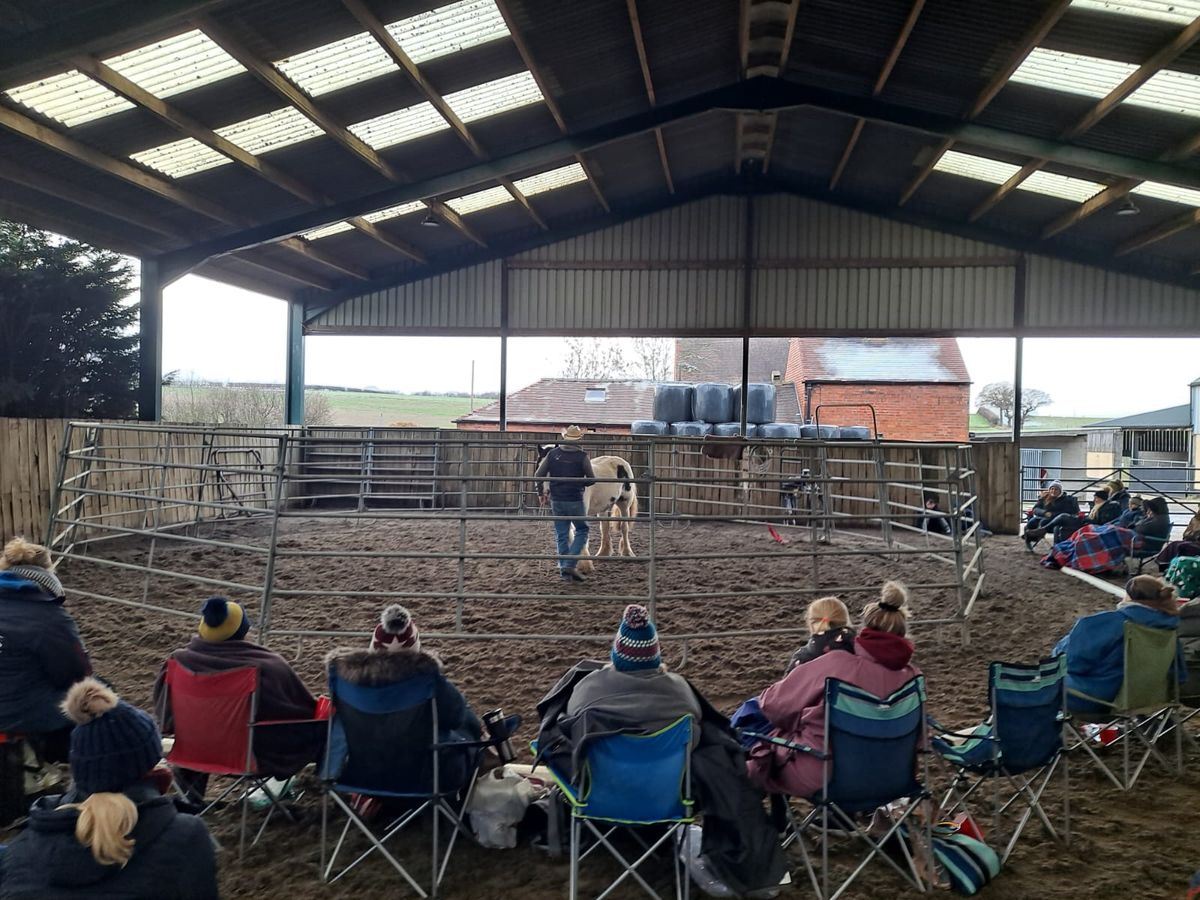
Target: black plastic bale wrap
{"x": 824, "y": 432}
{"x": 733, "y": 429}
{"x": 673, "y": 402}
{"x": 760, "y": 406}
{"x": 691, "y": 429}
{"x": 649, "y": 426}
{"x": 855, "y": 433}
{"x": 712, "y": 402}
{"x": 779, "y": 431}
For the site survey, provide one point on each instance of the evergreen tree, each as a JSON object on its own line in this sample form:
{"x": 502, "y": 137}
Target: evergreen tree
{"x": 68, "y": 346}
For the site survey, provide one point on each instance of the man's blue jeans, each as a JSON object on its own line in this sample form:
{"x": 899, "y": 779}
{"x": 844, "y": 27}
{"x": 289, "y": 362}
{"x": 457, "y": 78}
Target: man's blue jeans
{"x": 574, "y": 512}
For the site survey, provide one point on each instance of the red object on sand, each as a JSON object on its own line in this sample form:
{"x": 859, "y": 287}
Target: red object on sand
{"x": 968, "y": 826}
{"x": 324, "y": 708}
{"x": 779, "y": 538}
{"x": 1109, "y": 734}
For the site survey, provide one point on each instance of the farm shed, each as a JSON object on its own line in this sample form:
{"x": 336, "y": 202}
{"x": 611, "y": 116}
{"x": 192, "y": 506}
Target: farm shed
{"x": 834, "y": 167}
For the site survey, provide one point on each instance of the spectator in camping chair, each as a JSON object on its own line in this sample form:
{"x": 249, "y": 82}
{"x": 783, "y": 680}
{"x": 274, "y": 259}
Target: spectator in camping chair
{"x": 1188, "y": 545}
{"x": 1153, "y": 531}
{"x": 1051, "y": 506}
{"x": 1018, "y": 748}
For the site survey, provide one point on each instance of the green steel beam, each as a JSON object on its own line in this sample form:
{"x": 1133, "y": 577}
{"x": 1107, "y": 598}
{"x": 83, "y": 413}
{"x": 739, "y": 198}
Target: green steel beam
{"x": 150, "y": 340}
{"x": 294, "y": 374}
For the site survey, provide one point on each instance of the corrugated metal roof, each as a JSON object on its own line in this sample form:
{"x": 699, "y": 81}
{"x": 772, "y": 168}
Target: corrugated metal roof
{"x": 1171, "y": 417}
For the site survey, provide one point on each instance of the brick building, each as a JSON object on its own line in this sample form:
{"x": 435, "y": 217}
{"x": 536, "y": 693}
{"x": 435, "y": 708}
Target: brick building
{"x": 919, "y": 388}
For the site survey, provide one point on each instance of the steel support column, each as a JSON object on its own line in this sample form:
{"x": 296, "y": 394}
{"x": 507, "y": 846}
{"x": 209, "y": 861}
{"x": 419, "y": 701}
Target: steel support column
{"x": 150, "y": 339}
{"x": 747, "y": 305}
{"x": 294, "y": 376}
{"x": 504, "y": 345}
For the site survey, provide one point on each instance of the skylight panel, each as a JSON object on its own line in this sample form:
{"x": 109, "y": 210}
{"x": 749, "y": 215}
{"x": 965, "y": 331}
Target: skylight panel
{"x": 549, "y": 181}
{"x": 399, "y": 126}
{"x": 270, "y": 131}
{"x": 1170, "y": 91}
{"x": 326, "y": 230}
{"x": 449, "y": 29}
{"x": 994, "y": 171}
{"x": 337, "y": 65}
{"x": 485, "y": 199}
{"x": 70, "y": 98}
{"x": 180, "y": 158}
{"x": 493, "y": 97}
{"x": 1179, "y": 12}
{"x": 180, "y": 63}
{"x": 1170, "y": 192}
{"x": 1090, "y": 76}
{"x": 393, "y": 212}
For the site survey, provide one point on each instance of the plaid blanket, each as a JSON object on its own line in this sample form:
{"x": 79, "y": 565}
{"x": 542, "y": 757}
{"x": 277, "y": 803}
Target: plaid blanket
{"x": 1094, "y": 548}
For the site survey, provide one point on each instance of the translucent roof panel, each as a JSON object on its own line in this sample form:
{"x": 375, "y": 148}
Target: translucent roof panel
{"x": 1178, "y": 11}
{"x": 1090, "y": 76}
{"x": 176, "y": 64}
{"x": 180, "y": 158}
{"x": 548, "y": 181}
{"x": 399, "y": 126}
{"x": 1170, "y": 192}
{"x": 995, "y": 172}
{"x": 337, "y": 65}
{"x": 393, "y": 212}
{"x": 326, "y": 230}
{"x": 485, "y": 199}
{"x": 270, "y": 131}
{"x": 493, "y": 97}
{"x": 70, "y": 98}
{"x": 449, "y": 29}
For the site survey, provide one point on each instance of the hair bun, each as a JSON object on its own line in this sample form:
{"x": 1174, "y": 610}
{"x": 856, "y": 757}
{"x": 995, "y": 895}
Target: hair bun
{"x": 88, "y": 700}
{"x": 893, "y": 595}
{"x": 20, "y": 552}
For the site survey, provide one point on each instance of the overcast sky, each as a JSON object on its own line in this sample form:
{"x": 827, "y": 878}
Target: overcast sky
{"x": 222, "y": 333}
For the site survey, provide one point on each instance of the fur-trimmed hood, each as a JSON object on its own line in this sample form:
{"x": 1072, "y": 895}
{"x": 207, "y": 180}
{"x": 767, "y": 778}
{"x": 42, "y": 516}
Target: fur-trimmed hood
{"x": 376, "y": 668}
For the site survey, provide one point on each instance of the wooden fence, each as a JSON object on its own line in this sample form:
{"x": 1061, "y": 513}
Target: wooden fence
{"x": 232, "y": 468}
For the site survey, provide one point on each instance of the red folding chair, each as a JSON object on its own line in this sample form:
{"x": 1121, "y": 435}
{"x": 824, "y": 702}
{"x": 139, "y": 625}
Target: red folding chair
{"x": 215, "y": 717}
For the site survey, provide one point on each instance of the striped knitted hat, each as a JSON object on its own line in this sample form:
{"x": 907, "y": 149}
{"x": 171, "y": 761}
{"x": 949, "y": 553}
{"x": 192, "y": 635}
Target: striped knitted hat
{"x": 396, "y": 631}
{"x": 635, "y": 648}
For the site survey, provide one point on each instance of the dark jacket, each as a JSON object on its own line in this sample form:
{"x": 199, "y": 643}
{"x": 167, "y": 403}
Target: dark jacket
{"x": 1155, "y": 532}
{"x": 1063, "y": 504}
{"x": 280, "y": 750}
{"x": 569, "y": 462}
{"x": 41, "y": 655}
{"x": 1121, "y": 498}
{"x": 1130, "y": 517}
{"x": 1110, "y": 511}
{"x": 819, "y": 644}
{"x": 173, "y": 856}
{"x": 1189, "y": 640}
{"x": 739, "y": 841}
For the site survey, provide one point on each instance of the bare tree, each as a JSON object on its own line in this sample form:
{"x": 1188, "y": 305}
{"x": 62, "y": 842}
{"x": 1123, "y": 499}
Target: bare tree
{"x": 653, "y": 358}
{"x": 253, "y": 406}
{"x": 1001, "y": 396}
{"x": 594, "y": 359}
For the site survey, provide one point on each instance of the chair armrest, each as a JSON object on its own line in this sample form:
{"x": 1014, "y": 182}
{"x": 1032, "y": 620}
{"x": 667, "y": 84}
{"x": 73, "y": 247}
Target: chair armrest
{"x": 783, "y": 742}
{"x": 268, "y": 722}
{"x": 1071, "y": 692}
{"x": 941, "y": 729}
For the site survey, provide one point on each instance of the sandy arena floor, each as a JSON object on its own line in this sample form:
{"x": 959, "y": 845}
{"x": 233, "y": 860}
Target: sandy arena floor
{"x": 1142, "y": 845}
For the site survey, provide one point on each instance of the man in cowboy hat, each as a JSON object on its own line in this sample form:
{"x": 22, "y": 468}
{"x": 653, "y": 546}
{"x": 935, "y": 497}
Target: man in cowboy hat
{"x": 569, "y": 472}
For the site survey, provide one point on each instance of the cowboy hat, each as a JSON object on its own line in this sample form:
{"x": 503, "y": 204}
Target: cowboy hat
{"x": 573, "y": 433}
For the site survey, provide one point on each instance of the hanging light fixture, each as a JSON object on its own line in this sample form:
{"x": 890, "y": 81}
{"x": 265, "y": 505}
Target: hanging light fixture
{"x": 431, "y": 221}
{"x": 1128, "y": 208}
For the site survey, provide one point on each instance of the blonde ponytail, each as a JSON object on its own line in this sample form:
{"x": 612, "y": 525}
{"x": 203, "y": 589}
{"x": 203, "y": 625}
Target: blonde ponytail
{"x": 890, "y": 612}
{"x": 105, "y": 821}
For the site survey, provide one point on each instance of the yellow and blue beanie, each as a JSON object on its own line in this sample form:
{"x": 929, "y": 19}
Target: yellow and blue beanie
{"x": 223, "y": 620}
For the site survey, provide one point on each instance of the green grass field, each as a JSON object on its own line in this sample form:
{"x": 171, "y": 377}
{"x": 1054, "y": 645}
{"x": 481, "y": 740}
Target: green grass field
{"x": 1037, "y": 423}
{"x": 354, "y": 408}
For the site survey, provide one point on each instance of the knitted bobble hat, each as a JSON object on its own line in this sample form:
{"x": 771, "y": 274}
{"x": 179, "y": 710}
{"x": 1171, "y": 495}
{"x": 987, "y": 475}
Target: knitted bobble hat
{"x": 636, "y": 648}
{"x": 223, "y": 620}
{"x": 31, "y": 562}
{"x": 114, "y": 744}
{"x": 396, "y": 631}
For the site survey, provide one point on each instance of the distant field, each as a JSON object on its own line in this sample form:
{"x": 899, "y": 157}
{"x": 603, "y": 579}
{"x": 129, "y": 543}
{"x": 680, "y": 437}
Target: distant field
{"x": 1038, "y": 423}
{"x": 354, "y": 408}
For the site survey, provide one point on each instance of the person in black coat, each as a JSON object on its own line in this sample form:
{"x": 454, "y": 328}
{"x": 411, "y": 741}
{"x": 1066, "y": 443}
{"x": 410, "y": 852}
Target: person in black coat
{"x": 1155, "y": 528}
{"x": 43, "y": 654}
{"x": 1054, "y": 509}
{"x": 113, "y": 836}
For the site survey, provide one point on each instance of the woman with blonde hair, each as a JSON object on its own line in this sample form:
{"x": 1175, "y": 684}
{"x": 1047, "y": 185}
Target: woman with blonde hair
{"x": 113, "y": 835}
{"x": 828, "y": 623}
{"x": 795, "y": 705}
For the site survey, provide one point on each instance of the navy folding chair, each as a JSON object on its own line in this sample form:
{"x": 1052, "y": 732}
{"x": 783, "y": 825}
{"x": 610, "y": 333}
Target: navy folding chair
{"x": 1020, "y": 745}
{"x": 402, "y": 718}
{"x": 627, "y": 781}
{"x": 872, "y": 759}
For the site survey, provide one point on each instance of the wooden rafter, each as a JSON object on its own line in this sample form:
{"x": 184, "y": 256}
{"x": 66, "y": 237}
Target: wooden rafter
{"x": 885, "y": 73}
{"x": 1101, "y": 108}
{"x": 522, "y": 46}
{"x": 1160, "y": 232}
{"x": 275, "y": 80}
{"x": 1035, "y": 36}
{"x": 61, "y": 223}
{"x": 376, "y": 28}
{"x": 639, "y": 43}
{"x": 156, "y": 184}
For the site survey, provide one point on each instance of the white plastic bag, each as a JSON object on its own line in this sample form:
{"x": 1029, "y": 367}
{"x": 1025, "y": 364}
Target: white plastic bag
{"x": 689, "y": 855}
{"x": 499, "y": 802}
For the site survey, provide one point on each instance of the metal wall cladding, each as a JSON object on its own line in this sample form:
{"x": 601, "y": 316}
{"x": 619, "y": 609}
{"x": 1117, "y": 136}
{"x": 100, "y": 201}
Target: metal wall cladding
{"x": 466, "y": 300}
{"x": 624, "y": 301}
{"x": 891, "y": 301}
{"x": 1080, "y": 300}
{"x": 789, "y": 227}
{"x": 707, "y": 229}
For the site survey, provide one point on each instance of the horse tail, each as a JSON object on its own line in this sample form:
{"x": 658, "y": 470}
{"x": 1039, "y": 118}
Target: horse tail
{"x": 624, "y": 474}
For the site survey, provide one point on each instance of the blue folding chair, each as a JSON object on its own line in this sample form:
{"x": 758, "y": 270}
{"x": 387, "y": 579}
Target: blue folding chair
{"x": 626, "y": 781}
{"x": 872, "y": 759}
{"x": 403, "y": 718}
{"x": 1020, "y": 744}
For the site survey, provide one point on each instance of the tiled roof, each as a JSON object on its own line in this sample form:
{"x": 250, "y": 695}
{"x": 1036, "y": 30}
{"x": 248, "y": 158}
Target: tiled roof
{"x": 875, "y": 360}
{"x": 720, "y": 359}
